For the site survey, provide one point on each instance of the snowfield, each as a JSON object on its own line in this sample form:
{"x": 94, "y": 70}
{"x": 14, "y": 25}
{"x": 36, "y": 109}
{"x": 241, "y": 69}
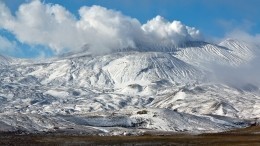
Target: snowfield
{"x": 128, "y": 92}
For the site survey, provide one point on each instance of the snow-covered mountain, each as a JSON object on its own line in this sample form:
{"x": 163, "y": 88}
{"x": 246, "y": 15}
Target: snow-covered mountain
{"x": 5, "y": 60}
{"x": 134, "y": 90}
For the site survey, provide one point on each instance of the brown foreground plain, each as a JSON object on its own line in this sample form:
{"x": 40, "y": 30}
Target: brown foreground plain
{"x": 249, "y": 136}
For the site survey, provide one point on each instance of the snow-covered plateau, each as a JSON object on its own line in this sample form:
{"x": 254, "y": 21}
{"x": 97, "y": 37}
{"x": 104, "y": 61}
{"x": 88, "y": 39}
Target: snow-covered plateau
{"x": 130, "y": 91}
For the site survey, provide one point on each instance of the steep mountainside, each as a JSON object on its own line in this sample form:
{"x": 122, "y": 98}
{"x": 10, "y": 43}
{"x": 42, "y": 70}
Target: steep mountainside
{"x": 128, "y": 90}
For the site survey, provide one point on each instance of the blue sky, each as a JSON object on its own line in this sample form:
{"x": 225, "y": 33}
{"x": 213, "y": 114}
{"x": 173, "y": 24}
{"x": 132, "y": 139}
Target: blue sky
{"x": 214, "y": 18}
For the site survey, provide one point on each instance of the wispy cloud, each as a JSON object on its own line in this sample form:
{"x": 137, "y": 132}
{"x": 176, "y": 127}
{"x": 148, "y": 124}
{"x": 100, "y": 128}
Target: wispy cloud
{"x": 245, "y": 75}
{"x": 7, "y": 46}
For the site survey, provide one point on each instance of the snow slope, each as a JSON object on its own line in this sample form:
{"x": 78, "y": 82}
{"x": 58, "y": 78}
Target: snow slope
{"x": 120, "y": 122}
{"x": 103, "y": 93}
{"x": 229, "y": 52}
{"x": 4, "y": 60}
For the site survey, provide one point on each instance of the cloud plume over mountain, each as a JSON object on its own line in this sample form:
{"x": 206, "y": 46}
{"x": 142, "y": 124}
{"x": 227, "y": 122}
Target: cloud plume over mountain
{"x": 102, "y": 29}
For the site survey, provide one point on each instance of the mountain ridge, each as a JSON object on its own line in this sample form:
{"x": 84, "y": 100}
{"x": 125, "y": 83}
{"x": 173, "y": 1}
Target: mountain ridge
{"x": 74, "y": 89}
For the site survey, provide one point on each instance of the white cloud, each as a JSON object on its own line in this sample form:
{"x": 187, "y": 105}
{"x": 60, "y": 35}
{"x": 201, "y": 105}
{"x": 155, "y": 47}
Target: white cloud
{"x": 49, "y": 25}
{"x": 103, "y": 30}
{"x": 167, "y": 32}
{"x": 7, "y": 46}
{"x": 5, "y": 15}
{"x": 106, "y": 29}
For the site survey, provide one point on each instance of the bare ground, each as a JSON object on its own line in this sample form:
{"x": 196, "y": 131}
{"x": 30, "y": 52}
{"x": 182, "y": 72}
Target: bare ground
{"x": 248, "y": 136}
